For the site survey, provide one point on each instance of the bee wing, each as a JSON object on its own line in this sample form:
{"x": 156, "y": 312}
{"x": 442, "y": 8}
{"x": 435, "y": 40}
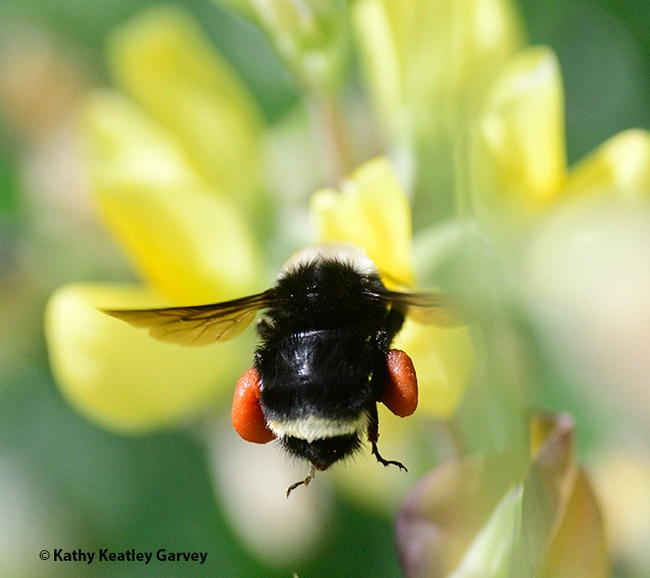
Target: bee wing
{"x": 428, "y": 308}
{"x": 198, "y": 325}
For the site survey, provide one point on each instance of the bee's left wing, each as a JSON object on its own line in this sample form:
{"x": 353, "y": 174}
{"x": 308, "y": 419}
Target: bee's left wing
{"x": 428, "y": 308}
{"x": 198, "y": 325}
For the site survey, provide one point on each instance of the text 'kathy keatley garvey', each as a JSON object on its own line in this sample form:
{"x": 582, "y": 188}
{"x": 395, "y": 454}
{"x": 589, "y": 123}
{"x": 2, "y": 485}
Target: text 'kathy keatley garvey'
{"x": 105, "y": 555}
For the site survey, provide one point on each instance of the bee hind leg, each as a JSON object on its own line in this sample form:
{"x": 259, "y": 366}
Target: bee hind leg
{"x": 305, "y": 482}
{"x": 384, "y": 462}
{"x": 373, "y": 437}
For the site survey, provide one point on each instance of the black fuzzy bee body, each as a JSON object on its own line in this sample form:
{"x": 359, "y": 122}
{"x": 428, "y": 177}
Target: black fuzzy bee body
{"x": 322, "y": 359}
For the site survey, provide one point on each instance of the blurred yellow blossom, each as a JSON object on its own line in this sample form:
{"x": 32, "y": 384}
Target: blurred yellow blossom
{"x": 517, "y": 160}
{"x": 430, "y": 63}
{"x": 184, "y": 233}
{"x": 428, "y": 66}
{"x": 621, "y": 166}
{"x": 166, "y": 64}
{"x": 121, "y": 378}
{"x": 577, "y": 244}
{"x": 575, "y": 238}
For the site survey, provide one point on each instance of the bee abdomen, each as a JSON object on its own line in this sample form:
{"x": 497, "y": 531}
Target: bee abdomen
{"x": 312, "y": 427}
{"x": 322, "y": 453}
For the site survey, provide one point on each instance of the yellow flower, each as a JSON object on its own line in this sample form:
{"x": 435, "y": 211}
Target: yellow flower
{"x": 170, "y": 181}
{"x": 517, "y": 160}
{"x": 578, "y": 244}
{"x": 166, "y": 64}
{"x": 576, "y": 236}
{"x": 428, "y": 65}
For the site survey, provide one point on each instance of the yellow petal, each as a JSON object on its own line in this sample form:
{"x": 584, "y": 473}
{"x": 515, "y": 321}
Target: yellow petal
{"x": 120, "y": 377}
{"x": 190, "y": 242}
{"x": 443, "y": 360}
{"x": 381, "y": 62}
{"x": 621, "y": 165}
{"x": 371, "y": 211}
{"x": 579, "y": 548}
{"x": 166, "y": 63}
{"x": 429, "y": 62}
{"x": 519, "y": 162}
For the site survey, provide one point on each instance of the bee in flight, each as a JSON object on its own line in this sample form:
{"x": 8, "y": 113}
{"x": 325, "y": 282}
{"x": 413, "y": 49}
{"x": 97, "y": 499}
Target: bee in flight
{"x": 324, "y": 359}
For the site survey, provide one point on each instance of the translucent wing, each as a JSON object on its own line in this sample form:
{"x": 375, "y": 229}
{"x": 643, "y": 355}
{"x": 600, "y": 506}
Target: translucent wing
{"x": 199, "y": 325}
{"x": 428, "y": 308}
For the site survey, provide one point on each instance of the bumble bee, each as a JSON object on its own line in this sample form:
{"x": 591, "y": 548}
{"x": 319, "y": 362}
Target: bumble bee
{"x": 324, "y": 359}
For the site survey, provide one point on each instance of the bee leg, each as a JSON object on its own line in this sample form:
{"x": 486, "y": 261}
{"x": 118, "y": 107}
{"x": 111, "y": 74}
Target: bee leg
{"x": 262, "y": 326}
{"x": 394, "y": 323}
{"x": 305, "y": 482}
{"x": 373, "y": 437}
{"x": 384, "y": 462}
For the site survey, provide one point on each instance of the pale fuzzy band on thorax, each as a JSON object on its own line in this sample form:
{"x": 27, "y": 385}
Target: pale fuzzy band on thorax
{"x": 346, "y": 253}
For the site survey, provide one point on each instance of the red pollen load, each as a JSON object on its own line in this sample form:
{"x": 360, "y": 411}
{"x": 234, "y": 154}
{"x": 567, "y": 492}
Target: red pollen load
{"x": 401, "y": 393}
{"x": 247, "y": 415}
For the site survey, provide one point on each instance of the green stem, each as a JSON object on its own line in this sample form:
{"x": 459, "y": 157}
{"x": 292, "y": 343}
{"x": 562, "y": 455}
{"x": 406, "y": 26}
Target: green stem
{"x": 330, "y": 127}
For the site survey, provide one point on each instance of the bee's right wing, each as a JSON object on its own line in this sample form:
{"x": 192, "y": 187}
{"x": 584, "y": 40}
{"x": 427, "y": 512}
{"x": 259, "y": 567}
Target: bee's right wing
{"x": 429, "y": 308}
{"x": 198, "y": 325}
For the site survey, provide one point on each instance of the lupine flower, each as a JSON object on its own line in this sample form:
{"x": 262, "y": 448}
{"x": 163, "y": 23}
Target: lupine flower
{"x": 561, "y": 233}
{"x": 578, "y": 244}
{"x": 429, "y": 66}
{"x": 174, "y": 212}
{"x": 186, "y": 223}
{"x": 575, "y": 237}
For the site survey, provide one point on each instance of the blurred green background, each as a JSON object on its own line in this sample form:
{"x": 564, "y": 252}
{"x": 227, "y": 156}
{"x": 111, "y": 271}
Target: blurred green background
{"x": 66, "y": 483}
